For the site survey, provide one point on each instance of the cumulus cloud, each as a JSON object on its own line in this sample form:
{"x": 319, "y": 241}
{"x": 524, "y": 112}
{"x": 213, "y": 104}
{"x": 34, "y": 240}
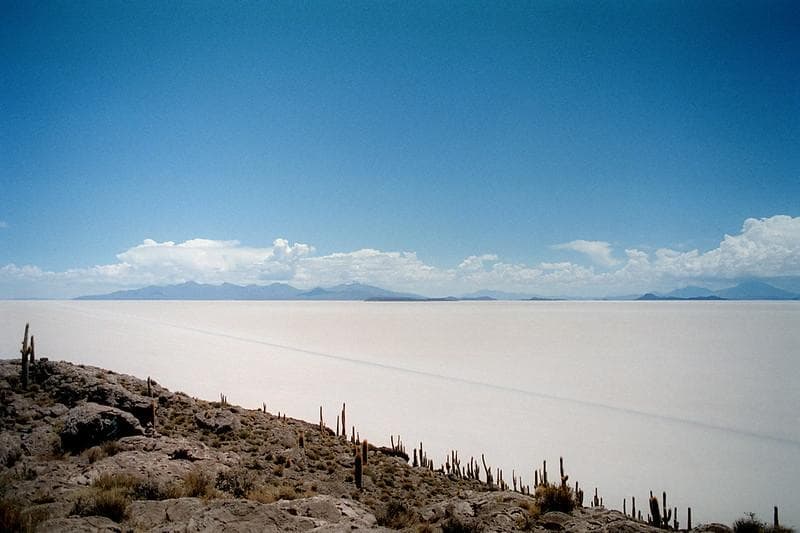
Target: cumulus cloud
{"x": 598, "y": 251}
{"x": 763, "y": 248}
{"x": 212, "y": 261}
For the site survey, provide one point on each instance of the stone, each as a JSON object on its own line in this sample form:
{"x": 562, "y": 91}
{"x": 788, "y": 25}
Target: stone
{"x": 89, "y": 424}
{"x": 218, "y": 421}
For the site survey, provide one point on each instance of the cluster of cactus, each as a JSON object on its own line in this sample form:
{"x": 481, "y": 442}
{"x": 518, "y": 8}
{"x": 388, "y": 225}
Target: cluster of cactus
{"x": 223, "y": 400}
{"x": 540, "y": 476}
{"x": 399, "y": 447}
{"x": 656, "y": 518}
{"x": 28, "y": 354}
{"x": 453, "y": 465}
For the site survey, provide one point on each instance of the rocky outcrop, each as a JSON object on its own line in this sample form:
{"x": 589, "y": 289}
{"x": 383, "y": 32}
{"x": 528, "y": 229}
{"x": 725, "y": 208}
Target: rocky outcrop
{"x": 72, "y": 448}
{"x": 218, "y": 421}
{"x": 319, "y": 513}
{"x": 88, "y": 424}
{"x": 71, "y": 384}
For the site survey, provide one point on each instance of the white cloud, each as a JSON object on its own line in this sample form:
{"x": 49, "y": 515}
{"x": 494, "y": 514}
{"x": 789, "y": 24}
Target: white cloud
{"x": 3, "y": 224}
{"x": 598, "y": 251}
{"x": 764, "y": 247}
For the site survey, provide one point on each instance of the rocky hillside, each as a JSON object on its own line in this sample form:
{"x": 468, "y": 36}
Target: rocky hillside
{"x": 86, "y": 449}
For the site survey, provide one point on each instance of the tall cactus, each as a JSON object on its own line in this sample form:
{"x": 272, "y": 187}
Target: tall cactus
{"x": 25, "y": 352}
{"x": 655, "y": 512}
{"x": 358, "y": 469}
{"x": 665, "y": 520}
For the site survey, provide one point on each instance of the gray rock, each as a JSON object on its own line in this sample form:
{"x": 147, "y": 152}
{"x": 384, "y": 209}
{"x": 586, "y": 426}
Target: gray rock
{"x": 712, "y": 528}
{"x": 89, "y": 424}
{"x": 218, "y": 421}
{"x": 70, "y": 385}
{"x": 320, "y": 513}
{"x": 10, "y": 449}
{"x": 88, "y": 524}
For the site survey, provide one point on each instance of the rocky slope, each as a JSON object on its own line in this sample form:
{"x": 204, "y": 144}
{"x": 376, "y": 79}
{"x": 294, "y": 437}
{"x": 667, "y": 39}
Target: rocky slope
{"x": 79, "y": 452}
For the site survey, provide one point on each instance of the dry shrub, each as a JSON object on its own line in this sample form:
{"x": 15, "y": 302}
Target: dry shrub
{"x": 94, "y": 454}
{"x": 531, "y": 507}
{"x": 554, "y": 498}
{"x": 396, "y": 515}
{"x": 270, "y": 494}
{"x": 751, "y": 524}
{"x": 236, "y": 481}
{"x": 197, "y": 483}
{"x": 112, "y": 503}
{"x": 111, "y": 448}
{"x": 14, "y": 517}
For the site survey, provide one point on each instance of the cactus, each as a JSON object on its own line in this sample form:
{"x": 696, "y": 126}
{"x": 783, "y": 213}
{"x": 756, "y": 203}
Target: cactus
{"x": 25, "y": 351}
{"x": 689, "y": 518}
{"x": 665, "y": 520}
{"x": 31, "y": 351}
{"x": 301, "y": 439}
{"x": 544, "y": 473}
{"x": 564, "y": 477}
{"x": 321, "y": 424}
{"x": 489, "y": 479}
{"x": 655, "y": 513}
{"x": 775, "y": 523}
{"x": 358, "y": 469}
{"x": 344, "y": 423}
{"x": 149, "y": 387}
{"x": 364, "y": 450}
{"x": 633, "y": 507}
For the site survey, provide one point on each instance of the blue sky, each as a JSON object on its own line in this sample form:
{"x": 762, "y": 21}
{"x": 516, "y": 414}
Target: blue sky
{"x": 399, "y": 143}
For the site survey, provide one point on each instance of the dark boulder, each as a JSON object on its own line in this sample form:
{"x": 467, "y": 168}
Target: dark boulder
{"x": 89, "y": 424}
{"x": 217, "y": 421}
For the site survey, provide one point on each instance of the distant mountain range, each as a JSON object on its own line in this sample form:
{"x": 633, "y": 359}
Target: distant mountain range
{"x": 227, "y": 291}
{"x": 749, "y": 290}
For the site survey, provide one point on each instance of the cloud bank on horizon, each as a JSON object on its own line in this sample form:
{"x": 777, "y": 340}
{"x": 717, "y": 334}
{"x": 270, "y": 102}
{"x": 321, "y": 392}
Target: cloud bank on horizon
{"x": 765, "y": 247}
